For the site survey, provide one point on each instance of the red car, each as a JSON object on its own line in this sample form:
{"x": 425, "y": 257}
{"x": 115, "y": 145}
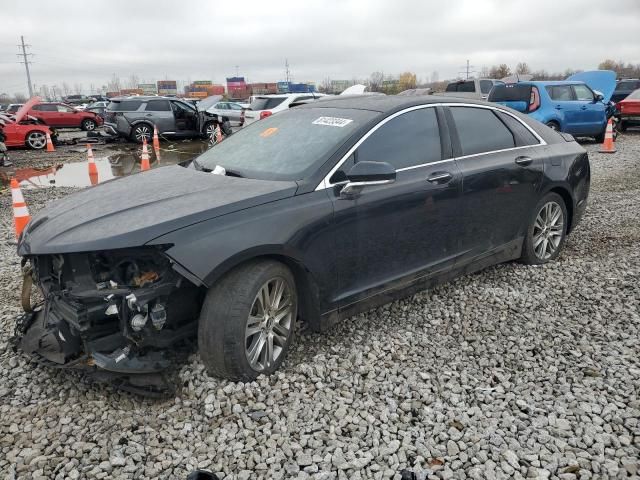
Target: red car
{"x": 629, "y": 109}
{"x": 59, "y": 115}
{"x": 21, "y": 130}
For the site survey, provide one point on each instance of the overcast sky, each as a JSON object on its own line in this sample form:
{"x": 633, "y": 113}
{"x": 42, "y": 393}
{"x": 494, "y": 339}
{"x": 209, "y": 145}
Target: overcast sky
{"x": 85, "y": 43}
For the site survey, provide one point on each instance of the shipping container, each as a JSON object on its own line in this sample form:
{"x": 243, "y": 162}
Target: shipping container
{"x": 131, "y": 91}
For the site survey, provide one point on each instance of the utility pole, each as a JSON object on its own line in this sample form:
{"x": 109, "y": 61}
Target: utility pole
{"x": 287, "y": 72}
{"x": 468, "y": 70}
{"x": 237, "y": 70}
{"x": 26, "y": 62}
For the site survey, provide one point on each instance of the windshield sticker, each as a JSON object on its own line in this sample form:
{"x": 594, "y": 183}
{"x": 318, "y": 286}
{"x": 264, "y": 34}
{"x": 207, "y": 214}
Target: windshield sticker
{"x": 332, "y": 121}
{"x": 268, "y": 132}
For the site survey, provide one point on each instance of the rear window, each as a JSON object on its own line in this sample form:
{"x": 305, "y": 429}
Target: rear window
{"x": 627, "y": 85}
{"x": 266, "y": 103}
{"x": 486, "y": 86}
{"x": 513, "y": 92}
{"x": 124, "y": 106}
{"x": 468, "y": 86}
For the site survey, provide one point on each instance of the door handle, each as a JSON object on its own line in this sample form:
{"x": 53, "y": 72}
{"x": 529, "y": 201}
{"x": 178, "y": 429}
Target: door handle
{"x": 524, "y": 161}
{"x": 440, "y": 177}
{"x": 583, "y": 107}
{"x": 558, "y": 107}
{"x": 149, "y": 115}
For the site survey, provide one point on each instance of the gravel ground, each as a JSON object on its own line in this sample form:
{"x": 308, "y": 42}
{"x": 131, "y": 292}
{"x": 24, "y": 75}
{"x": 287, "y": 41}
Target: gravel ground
{"x": 515, "y": 372}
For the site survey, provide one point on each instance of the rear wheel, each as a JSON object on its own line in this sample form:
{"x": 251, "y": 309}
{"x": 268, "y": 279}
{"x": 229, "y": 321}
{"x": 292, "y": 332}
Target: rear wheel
{"x": 36, "y": 140}
{"x": 248, "y": 320}
{"x": 547, "y": 231}
{"x": 553, "y": 126}
{"x": 141, "y": 131}
{"x": 88, "y": 125}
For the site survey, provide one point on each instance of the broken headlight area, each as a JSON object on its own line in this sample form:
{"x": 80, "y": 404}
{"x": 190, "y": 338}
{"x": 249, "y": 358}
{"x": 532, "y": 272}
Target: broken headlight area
{"x": 119, "y": 311}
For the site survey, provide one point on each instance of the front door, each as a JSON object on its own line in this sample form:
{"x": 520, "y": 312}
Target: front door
{"x": 160, "y": 113}
{"x": 391, "y": 234}
{"x": 563, "y": 101}
{"x": 501, "y": 162}
{"x": 592, "y": 113}
{"x": 186, "y": 119}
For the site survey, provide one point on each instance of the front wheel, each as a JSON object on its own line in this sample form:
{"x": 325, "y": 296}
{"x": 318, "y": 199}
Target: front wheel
{"x": 553, "y": 126}
{"x": 248, "y": 321}
{"x": 36, "y": 140}
{"x": 88, "y": 125}
{"x": 547, "y": 231}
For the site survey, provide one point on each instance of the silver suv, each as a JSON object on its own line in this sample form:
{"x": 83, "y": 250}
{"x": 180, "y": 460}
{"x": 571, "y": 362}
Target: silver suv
{"x": 135, "y": 117}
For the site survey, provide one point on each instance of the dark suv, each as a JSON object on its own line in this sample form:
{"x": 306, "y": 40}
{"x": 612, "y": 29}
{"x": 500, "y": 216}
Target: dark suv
{"x": 624, "y": 87}
{"x": 135, "y": 117}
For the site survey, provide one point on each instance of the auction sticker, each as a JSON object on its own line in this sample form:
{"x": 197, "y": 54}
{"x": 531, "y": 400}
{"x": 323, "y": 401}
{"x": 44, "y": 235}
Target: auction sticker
{"x": 332, "y": 121}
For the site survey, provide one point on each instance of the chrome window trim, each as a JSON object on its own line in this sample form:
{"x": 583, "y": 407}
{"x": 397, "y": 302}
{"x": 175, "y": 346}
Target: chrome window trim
{"x": 324, "y": 183}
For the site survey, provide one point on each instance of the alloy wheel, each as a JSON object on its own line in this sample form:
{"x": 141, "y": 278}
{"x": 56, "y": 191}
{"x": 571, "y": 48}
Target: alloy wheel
{"x": 548, "y": 230}
{"x": 37, "y": 140}
{"x": 270, "y": 324}
{"x": 89, "y": 125}
{"x": 141, "y": 132}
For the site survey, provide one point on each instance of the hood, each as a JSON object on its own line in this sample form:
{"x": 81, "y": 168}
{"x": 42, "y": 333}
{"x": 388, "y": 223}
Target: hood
{"x": 22, "y": 111}
{"x": 132, "y": 211}
{"x": 602, "y": 80}
{"x": 358, "y": 89}
{"x": 208, "y": 102}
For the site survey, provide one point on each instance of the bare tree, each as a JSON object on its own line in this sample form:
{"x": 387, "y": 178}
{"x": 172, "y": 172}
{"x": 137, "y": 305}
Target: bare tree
{"x": 375, "y": 81}
{"x": 407, "y": 81}
{"x": 500, "y": 71}
{"x": 484, "y": 72}
{"x": 523, "y": 69}
{"x": 435, "y": 77}
{"x": 66, "y": 90}
{"x": 132, "y": 81}
{"x": 77, "y": 88}
{"x": 114, "y": 84}
{"x": 19, "y": 97}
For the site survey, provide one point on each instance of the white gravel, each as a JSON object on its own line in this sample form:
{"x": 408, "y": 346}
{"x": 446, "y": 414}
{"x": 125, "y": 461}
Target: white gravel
{"x": 515, "y": 372}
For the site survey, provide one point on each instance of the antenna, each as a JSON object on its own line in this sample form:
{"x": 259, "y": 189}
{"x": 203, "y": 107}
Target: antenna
{"x": 26, "y": 62}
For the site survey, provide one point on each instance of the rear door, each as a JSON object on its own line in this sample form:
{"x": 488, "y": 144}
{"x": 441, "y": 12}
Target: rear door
{"x": 592, "y": 114}
{"x": 160, "y": 114}
{"x": 46, "y": 112}
{"x": 406, "y": 228}
{"x": 187, "y": 122}
{"x": 67, "y": 116}
{"x": 501, "y": 162}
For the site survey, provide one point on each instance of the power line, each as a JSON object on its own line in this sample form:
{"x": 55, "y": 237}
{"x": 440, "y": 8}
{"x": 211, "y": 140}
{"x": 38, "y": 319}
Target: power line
{"x": 26, "y": 62}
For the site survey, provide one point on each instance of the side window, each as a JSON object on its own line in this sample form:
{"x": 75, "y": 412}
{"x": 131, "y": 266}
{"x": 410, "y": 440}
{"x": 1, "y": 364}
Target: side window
{"x": 341, "y": 174}
{"x": 63, "y": 109}
{"x": 235, "y": 106}
{"x": 523, "y": 134}
{"x": 410, "y": 139}
{"x": 479, "y": 130}
{"x": 222, "y": 106}
{"x": 38, "y": 108}
{"x": 583, "y": 93}
{"x": 486, "y": 86}
{"x": 561, "y": 93}
{"x": 158, "y": 106}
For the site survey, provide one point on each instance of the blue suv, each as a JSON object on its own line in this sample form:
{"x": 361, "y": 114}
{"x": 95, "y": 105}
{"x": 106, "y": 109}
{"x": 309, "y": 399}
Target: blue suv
{"x": 577, "y": 105}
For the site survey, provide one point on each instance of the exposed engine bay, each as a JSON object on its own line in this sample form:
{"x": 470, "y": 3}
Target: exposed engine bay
{"x": 115, "y": 313}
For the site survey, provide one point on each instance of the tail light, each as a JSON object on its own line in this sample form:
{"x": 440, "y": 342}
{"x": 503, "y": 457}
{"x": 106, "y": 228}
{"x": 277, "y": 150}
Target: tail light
{"x": 265, "y": 114}
{"x": 534, "y": 101}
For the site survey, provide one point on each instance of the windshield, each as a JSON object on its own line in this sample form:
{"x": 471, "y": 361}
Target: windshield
{"x": 287, "y": 146}
{"x": 468, "y": 86}
{"x": 266, "y": 103}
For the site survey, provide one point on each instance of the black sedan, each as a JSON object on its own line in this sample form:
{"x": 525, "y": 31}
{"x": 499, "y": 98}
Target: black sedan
{"x": 312, "y": 214}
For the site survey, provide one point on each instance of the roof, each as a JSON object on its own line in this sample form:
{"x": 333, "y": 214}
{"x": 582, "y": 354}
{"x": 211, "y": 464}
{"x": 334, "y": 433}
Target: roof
{"x": 551, "y": 82}
{"x": 385, "y": 103}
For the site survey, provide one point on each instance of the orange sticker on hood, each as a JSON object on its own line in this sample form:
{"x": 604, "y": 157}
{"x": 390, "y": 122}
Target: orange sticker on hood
{"x": 268, "y": 132}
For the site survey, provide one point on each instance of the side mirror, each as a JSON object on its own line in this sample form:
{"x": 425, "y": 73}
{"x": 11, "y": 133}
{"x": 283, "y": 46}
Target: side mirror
{"x": 364, "y": 174}
{"x": 599, "y": 96}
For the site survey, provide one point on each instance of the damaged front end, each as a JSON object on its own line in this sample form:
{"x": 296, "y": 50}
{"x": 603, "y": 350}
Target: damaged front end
{"x": 117, "y": 314}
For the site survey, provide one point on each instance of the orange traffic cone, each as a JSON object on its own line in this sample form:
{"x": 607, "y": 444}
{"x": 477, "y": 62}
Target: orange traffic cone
{"x": 608, "y": 146}
{"x": 156, "y": 140}
{"x": 20, "y": 211}
{"x": 50, "y": 147}
{"x": 93, "y": 168}
{"x": 144, "y": 163}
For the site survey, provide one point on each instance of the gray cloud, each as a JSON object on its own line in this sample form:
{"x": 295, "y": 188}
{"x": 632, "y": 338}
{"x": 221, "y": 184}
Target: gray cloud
{"x": 80, "y": 42}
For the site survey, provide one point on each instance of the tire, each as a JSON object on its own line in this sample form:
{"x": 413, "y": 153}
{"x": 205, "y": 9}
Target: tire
{"x": 232, "y": 323}
{"x": 553, "y": 125}
{"x": 35, "y": 140}
{"x": 141, "y": 130}
{"x": 88, "y": 125}
{"x": 209, "y": 129}
{"x": 599, "y": 138}
{"x": 553, "y": 233}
